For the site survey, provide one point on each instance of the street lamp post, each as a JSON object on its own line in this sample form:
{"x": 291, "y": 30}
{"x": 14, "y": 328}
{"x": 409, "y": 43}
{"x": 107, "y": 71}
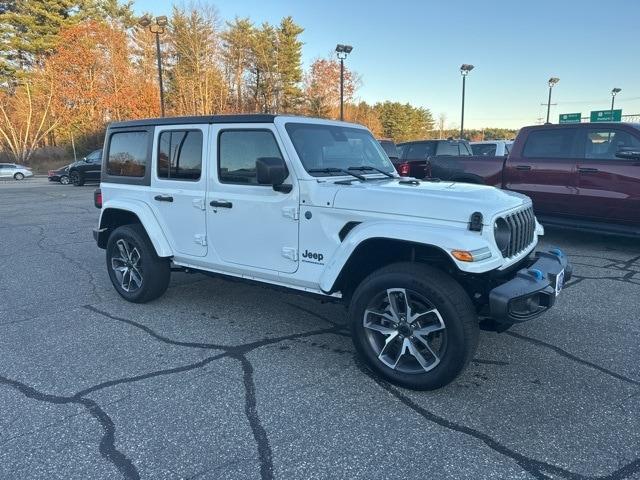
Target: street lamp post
{"x": 614, "y": 92}
{"x": 342, "y": 51}
{"x": 552, "y": 82}
{"x": 464, "y": 71}
{"x": 157, "y": 27}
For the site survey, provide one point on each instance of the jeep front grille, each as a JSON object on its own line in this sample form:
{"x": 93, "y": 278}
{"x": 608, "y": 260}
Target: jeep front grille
{"x": 523, "y": 226}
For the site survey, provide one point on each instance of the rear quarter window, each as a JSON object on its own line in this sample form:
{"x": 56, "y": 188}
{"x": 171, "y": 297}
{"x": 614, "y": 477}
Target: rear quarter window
{"x": 558, "y": 143}
{"x": 128, "y": 154}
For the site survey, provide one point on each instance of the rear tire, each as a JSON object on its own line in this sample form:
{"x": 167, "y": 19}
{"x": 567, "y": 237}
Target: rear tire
{"x": 18, "y": 176}
{"x": 135, "y": 270}
{"x": 422, "y": 346}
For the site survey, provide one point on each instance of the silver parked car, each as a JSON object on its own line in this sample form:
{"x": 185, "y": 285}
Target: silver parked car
{"x": 13, "y": 170}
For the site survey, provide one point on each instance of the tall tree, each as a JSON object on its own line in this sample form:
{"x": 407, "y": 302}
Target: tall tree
{"x": 265, "y": 80}
{"x": 237, "y": 42}
{"x": 196, "y": 83}
{"x": 403, "y": 121}
{"x": 322, "y": 88}
{"x": 93, "y": 80}
{"x": 289, "y": 61}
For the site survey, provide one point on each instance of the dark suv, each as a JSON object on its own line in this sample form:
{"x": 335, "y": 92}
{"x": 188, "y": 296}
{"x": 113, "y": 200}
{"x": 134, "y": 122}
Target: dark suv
{"x": 415, "y": 156}
{"x": 86, "y": 170}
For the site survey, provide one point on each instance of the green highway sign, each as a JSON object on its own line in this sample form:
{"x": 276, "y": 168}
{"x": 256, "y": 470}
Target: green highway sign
{"x": 570, "y": 117}
{"x": 606, "y": 116}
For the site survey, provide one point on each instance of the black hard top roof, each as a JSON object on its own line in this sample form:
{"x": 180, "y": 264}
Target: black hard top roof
{"x": 250, "y": 118}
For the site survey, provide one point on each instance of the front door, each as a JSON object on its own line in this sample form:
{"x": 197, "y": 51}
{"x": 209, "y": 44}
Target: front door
{"x": 178, "y": 186}
{"x": 609, "y": 186}
{"x": 546, "y": 171}
{"x": 250, "y": 225}
{"x": 93, "y": 165}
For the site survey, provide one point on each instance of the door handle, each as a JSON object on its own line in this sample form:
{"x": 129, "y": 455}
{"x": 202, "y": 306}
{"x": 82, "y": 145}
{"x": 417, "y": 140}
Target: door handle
{"x": 220, "y": 204}
{"x": 523, "y": 167}
{"x": 163, "y": 198}
{"x": 587, "y": 170}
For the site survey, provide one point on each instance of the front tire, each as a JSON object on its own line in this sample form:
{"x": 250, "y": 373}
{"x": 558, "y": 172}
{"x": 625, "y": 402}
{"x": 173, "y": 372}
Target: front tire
{"x": 413, "y": 325}
{"x": 64, "y": 180}
{"x": 136, "y": 272}
{"x": 19, "y": 176}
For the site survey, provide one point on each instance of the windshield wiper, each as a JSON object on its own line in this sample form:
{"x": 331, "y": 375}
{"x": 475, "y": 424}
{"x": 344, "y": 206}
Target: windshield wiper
{"x": 367, "y": 168}
{"x": 337, "y": 170}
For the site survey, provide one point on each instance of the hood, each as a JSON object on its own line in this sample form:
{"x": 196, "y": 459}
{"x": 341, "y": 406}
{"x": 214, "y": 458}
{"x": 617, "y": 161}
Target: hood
{"x": 447, "y": 201}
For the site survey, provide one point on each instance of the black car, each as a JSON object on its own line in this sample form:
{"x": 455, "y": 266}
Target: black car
{"x": 86, "y": 170}
{"x": 60, "y": 175}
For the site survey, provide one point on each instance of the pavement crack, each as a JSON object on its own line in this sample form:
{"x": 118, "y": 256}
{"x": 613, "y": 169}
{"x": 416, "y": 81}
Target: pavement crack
{"x": 574, "y": 358}
{"x": 265, "y": 455}
{"x": 536, "y": 468}
{"x": 107, "y": 446}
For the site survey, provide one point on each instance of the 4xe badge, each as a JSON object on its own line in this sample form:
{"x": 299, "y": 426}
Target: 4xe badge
{"x": 312, "y": 257}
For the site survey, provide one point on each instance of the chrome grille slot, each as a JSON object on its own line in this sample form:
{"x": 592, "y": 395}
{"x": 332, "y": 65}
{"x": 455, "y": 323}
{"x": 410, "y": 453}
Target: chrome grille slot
{"x": 522, "y": 225}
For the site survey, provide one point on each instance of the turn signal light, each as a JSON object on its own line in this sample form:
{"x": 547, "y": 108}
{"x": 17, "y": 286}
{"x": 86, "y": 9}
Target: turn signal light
{"x": 462, "y": 255}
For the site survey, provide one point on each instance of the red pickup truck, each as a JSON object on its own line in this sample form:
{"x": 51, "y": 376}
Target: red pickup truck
{"x": 585, "y": 175}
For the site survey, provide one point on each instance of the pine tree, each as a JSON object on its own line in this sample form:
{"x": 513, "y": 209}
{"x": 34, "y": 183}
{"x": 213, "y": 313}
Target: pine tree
{"x": 264, "y": 69}
{"x": 289, "y": 60}
{"x": 237, "y": 45}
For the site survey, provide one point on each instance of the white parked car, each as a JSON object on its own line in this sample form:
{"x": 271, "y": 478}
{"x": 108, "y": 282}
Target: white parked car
{"x": 15, "y": 171}
{"x": 492, "y": 148}
{"x": 316, "y": 206}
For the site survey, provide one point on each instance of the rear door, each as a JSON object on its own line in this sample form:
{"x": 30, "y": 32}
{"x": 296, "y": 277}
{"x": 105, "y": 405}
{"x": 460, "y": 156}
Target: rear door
{"x": 93, "y": 166}
{"x": 608, "y": 186}
{"x": 5, "y": 171}
{"x": 178, "y": 186}
{"x": 545, "y": 170}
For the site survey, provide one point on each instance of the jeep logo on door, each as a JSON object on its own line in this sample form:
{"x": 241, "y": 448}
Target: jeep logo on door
{"x": 312, "y": 257}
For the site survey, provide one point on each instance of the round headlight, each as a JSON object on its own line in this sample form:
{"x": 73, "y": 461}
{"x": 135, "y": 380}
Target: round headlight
{"x": 502, "y": 234}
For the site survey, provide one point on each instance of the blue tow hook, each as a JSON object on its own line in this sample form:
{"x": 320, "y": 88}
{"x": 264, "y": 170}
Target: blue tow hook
{"x": 557, "y": 252}
{"x": 536, "y": 273}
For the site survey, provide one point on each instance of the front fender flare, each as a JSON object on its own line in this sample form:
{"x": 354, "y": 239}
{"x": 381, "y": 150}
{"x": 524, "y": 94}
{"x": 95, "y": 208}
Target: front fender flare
{"x": 444, "y": 238}
{"x": 147, "y": 219}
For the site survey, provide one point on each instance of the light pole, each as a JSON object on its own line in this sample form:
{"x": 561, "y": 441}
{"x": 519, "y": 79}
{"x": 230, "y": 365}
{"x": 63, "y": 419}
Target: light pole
{"x": 342, "y": 51}
{"x": 158, "y": 27}
{"x": 614, "y": 92}
{"x": 552, "y": 81}
{"x": 464, "y": 71}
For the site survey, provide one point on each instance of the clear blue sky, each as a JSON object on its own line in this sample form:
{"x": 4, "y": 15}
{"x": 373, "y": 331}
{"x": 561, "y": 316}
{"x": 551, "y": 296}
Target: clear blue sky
{"x": 410, "y": 51}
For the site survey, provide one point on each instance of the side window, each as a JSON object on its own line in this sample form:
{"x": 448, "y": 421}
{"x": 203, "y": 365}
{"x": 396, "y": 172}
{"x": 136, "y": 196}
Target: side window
{"x": 418, "y": 151}
{"x": 484, "y": 149}
{"x": 180, "y": 155}
{"x": 448, "y": 148}
{"x": 605, "y": 143}
{"x": 238, "y": 151}
{"x": 557, "y": 143}
{"x": 128, "y": 154}
{"x": 95, "y": 156}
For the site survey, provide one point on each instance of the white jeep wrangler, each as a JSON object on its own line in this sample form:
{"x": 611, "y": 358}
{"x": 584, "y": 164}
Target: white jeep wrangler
{"x": 316, "y": 206}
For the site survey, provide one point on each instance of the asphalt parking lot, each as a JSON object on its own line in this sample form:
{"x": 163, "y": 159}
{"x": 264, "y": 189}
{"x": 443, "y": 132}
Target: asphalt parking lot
{"x": 219, "y": 379}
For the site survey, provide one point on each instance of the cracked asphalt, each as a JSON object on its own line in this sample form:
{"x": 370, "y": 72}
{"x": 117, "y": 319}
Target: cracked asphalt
{"x": 219, "y": 379}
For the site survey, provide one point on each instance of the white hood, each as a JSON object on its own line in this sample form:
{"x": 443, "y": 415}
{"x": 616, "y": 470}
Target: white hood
{"x": 447, "y": 201}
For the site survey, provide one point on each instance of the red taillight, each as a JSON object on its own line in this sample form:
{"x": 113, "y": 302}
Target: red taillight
{"x": 97, "y": 198}
{"x": 404, "y": 169}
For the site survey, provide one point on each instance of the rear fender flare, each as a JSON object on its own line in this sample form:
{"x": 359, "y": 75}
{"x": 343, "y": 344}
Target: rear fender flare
{"x": 147, "y": 220}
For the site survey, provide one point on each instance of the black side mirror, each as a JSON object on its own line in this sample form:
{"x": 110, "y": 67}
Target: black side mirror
{"x": 271, "y": 171}
{"x": 630, "y": 154}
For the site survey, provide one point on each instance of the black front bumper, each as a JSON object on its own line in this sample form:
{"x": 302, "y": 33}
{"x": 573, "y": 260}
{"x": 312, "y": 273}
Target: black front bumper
{"x": 532, "y": 290}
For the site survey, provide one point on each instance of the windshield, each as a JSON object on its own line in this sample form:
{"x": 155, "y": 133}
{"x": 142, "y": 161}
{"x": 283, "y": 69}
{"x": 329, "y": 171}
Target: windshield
{"x": 326, "y": 147}
{"x": 390, "y": 148}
